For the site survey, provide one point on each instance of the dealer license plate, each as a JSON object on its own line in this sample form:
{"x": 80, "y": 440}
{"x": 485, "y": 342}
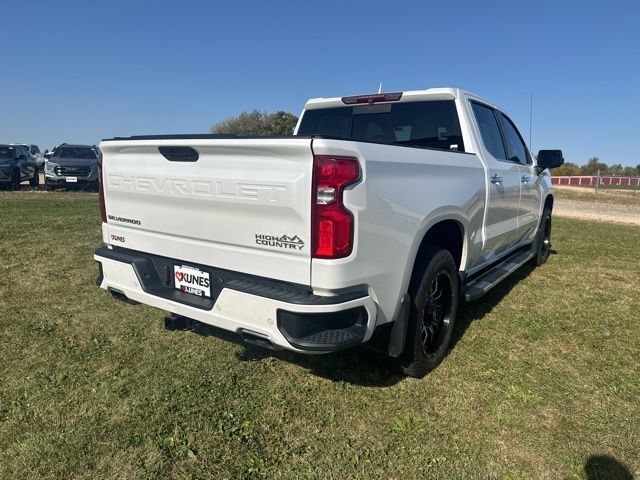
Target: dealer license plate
{"x": 191, "y": 280}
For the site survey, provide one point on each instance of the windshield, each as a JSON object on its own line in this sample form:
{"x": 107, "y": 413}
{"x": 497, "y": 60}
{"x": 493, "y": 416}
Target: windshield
{"x": 6, "y": 152}
{"x": 23, "y": 145}
{"x": 76, "y": 152}
{"x": 431, "y": 124}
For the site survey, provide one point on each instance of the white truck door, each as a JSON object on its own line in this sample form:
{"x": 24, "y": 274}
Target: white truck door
{"x": 530, "y": 202}
{"x": 530, "y": 197}
{"x": 501, "y": 224}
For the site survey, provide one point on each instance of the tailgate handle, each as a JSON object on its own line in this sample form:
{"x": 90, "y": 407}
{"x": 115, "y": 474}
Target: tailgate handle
{"x": 179, "y": 154}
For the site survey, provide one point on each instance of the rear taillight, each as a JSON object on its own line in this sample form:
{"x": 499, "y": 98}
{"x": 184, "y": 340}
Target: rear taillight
{"x": 331, "y": 222}
{"x": 103, "y": 210}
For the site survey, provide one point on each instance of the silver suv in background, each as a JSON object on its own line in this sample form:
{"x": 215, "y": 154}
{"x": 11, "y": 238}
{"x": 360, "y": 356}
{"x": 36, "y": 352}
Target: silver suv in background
{"x": 72, "y": 166}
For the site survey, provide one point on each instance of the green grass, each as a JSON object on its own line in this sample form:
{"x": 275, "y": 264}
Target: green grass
{"x": 543, "y": 380}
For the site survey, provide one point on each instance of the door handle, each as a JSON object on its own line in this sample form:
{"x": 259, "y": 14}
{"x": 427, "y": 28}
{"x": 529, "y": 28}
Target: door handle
{"x": 525, "y": 178}
{"x": 496, "y": 179}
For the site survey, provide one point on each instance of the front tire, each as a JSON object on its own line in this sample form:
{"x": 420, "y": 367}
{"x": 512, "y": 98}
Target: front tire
{"x": 15, "y": 180}
{"x": 542, "y": 244}
{"x": 433, "y": 313}
{"x": 35, "y": 181}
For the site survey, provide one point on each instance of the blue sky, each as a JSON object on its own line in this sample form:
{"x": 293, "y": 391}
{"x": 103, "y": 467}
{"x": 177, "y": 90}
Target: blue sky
{"x": 82, "y": 71}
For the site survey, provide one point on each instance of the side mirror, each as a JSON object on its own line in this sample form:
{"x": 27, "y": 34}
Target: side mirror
{"x": 22, "y": 157}
{"x": 549, "y": 159}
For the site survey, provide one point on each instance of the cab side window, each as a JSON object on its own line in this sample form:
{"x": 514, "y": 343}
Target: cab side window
{"x": 489, "y": 130}
{"x": 517, "y": 150}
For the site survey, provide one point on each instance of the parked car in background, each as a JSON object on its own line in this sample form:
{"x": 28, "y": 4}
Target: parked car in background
{"x": 17, "y": 166}
{"x": 72, "y": 166}
{"x": 34, "y": 151}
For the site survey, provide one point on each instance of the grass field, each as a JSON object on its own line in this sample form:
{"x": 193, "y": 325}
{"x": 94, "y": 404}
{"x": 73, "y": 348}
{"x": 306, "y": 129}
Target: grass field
{"x": 543, "y": 380}
{"x": 589, "y": 195}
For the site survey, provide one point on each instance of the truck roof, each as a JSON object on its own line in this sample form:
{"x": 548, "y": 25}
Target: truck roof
{"x": 441, "y": 93}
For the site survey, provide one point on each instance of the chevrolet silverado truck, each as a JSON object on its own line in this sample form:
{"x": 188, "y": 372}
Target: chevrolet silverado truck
{"x": 368, "y": 226}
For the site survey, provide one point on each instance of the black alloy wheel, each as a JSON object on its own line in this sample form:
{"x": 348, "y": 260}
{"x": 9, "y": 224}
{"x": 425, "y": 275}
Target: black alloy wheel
{"x": 542, "y": 244}
{"x": 436, "y": 317}
{"x": 434, "y": 302}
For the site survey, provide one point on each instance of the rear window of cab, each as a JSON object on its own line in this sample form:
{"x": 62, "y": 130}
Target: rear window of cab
{"x": 428, "y": 124}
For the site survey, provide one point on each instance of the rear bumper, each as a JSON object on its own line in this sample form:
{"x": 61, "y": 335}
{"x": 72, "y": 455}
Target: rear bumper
{"x": 290, "y": 316}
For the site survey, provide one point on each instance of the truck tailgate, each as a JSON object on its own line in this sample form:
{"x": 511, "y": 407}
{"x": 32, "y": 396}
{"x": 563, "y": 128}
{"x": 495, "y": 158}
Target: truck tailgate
{"x": 243, "y": 205}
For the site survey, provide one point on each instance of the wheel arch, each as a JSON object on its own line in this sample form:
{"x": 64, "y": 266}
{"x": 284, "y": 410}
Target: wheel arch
{"x": 445, "y": 233}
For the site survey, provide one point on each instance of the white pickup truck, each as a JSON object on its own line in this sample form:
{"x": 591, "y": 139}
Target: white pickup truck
{"x": 365, "y": 227}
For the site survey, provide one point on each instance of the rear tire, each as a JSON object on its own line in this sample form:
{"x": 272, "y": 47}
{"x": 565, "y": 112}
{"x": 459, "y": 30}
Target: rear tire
{"x": 542, "y": 244}
{"x": 35, "y": 181}
{"x": 434, "y": 305}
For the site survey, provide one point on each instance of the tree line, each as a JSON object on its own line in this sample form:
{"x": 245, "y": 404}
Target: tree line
{"x": 257, "y": 123}
{"x": 593, "y": 166}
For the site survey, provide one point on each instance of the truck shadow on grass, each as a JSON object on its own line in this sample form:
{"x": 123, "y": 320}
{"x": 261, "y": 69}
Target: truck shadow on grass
{"x": 364, "y": 367}
{"x": 601, "y": 467}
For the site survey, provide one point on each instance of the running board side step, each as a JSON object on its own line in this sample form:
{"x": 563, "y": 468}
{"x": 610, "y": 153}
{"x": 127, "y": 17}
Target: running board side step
{"x": 480, "y": 285}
